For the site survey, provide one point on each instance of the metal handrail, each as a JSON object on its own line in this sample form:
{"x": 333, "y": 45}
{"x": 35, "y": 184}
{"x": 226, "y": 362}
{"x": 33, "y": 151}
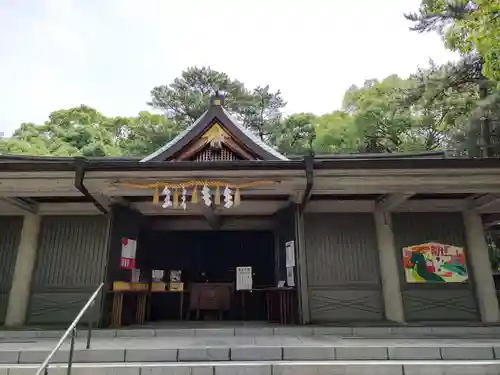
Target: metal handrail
{"x": 71, "y": 330}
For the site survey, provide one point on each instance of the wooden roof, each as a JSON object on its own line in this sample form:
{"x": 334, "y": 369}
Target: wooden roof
{"x": 216, "y": 135}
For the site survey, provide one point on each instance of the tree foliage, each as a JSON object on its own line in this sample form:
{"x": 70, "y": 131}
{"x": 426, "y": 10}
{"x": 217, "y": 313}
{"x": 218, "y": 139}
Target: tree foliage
{"x": 434, "y": 108}
{"x": 83, "y": 131}
{"x": 468, "y": 26}
{"x": 473, "y": 29}
{"x": 186, "y": 99}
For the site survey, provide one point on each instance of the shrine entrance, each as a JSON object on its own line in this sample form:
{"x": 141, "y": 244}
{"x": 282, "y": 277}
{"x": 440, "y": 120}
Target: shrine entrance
{"x": 188, "y": 275}
{"x": 200, "y": 270}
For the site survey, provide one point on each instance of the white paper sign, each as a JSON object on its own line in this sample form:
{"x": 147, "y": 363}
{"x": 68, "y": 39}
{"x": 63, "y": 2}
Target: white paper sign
{"x": 243, "y": 278}
{"x": 129, "y": 248}
{"x": 290, "y": 279}
{"x": 175, "y": 276}
{"x": 157, "y": 275}
{"x": 290, "y": 253}
{"x": 136, "y": 275}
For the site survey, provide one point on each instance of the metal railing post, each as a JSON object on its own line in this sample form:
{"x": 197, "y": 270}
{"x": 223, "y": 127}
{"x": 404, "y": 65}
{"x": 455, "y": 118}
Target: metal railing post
{"x": 71, "y": 350}
{"x": 89, "y": 332}
{"x": 71, "y": 331}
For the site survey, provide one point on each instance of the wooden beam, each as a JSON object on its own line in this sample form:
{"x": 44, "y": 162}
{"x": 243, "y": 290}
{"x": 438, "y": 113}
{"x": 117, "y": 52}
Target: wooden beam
{"x": 24, "y": 204}
{"x": 295, "y": 197}
{"x": 55, "y": 209}
{"x": 214, "y": 220}
{"x": 237, "y": 149}
{"x": 481, "y": 202}
{"x": 391, "y": 201}
{"x": 196, "y": 147}
{"x": 102, "y": 199}
{"x": 425, "y": 205}
{"x": 490, "y": 220}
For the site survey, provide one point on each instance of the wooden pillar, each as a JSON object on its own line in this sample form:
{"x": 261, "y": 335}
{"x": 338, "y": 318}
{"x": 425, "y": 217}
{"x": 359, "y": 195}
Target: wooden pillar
{"x": 19, "y": 295}
{"x": 477, "y": 252}
{"x": 389, "y": 267}
{"x": 302, "y": 282}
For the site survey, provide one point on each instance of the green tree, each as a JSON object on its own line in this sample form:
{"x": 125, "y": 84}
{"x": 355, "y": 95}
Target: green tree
{"x": 473, "y": 29}
{"x": 378, "y": 121}
{"x": 187, "y": 97}
{"x": 29, "y": 145}
{"x": 468, "y": 26}
{"x": 68, "y": 132}
{"x": 335, "y": 133}
{"x": 85, "y": 131}
{"x": 445, "y": 100}
{"x": 423, "y": 112}
{"x": 263, "y": 112}
{"x": 147, "y": 132}
{"x": 462, "y": 104}
{"x": 437, "y": 107}
{"x": 295, "y": 134}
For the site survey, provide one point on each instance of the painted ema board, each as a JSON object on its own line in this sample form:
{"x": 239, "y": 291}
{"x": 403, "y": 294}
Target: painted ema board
{"x": 434, "y": 263}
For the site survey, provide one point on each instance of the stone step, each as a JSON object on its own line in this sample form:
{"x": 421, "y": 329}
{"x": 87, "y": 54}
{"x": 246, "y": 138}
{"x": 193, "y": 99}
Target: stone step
{"x": 274, "y": 348}
{"x": 400, "y": 331}
{"x": 270, "y": 368}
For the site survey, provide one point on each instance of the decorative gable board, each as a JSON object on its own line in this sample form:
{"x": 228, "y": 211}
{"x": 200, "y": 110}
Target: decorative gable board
{"x": 215, "y": 144}
{"x": 215, "y": 136}
{"x": 208, "y": 154}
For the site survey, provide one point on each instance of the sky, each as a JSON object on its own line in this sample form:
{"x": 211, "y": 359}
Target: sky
{"x": 109, "y": 54}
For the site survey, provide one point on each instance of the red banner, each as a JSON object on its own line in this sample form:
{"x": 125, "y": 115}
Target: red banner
{"x": 129, "y": 247}
{"x": 127, "y": 263}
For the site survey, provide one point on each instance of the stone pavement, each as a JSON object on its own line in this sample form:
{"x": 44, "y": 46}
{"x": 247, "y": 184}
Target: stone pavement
{"x": 272, "y": 368}
{"x": 260, "y": 350}
{"x": 266, "y": 330}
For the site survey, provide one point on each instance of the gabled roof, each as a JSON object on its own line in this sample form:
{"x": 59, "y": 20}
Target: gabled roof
{"x": 216, "y": 113}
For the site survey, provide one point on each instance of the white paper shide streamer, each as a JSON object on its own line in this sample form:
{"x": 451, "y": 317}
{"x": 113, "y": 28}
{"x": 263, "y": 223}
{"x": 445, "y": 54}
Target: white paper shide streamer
{"x": 167, "y": 202}
{"x": 183, "y": 198}
{"x": 228, "y": 197}
{"x": 205, "y": 195}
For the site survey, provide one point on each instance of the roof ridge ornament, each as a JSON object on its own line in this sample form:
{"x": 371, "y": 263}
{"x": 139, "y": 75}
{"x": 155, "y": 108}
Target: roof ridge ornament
{"x": 217, "y": 98}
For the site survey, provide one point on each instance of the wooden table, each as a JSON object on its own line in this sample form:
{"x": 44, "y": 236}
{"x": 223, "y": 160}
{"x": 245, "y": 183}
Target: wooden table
{"x": 143, "y": 297}
{"x": 285, "y": 302}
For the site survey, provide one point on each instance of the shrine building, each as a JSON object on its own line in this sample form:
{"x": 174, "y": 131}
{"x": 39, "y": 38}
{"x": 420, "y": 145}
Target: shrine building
{"x": 216, "y": 225}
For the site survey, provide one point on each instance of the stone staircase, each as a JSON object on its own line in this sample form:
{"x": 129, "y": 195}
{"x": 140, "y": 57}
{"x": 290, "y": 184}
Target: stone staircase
{"x": 261, "y": 351}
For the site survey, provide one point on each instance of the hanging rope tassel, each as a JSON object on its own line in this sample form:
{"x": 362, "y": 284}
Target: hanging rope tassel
{"x": 156, "y": 195}
{"x": 194, "y": 196}
{"x": 176, "y": 198}
{"x": 217, "y": 195}
{"x": 237, "y": 197}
